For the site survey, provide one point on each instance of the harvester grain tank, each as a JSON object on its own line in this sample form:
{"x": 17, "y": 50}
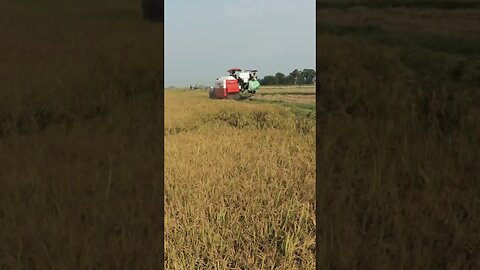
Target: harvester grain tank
{"x": 238, "y": 84}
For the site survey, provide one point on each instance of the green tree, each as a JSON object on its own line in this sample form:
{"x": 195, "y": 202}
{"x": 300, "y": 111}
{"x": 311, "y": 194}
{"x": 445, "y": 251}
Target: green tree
{"x": 309, "y": 75}
{"x": 289, "y": 80}
{"x": 301, "y": 78}
{"x": 269, "y": 80}
{"x": 280, "y": 77}
{"x": 294, "y": 76}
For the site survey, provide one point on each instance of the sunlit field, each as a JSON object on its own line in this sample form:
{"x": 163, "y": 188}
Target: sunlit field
{"x": 239, "y": 184}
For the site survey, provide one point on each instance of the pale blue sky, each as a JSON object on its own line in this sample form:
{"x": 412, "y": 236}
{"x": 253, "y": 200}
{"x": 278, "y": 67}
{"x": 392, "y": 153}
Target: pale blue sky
{"x": 204, "y": 38}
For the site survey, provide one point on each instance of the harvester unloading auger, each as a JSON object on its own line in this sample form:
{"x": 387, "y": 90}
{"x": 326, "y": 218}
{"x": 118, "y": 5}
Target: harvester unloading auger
{"x": 239, "y": 84}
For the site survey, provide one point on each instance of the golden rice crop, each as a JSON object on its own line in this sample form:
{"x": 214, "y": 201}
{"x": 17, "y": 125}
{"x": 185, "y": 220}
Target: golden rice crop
{"x": 80, "y": 136}
{"x": 398, "y": 148}
{"x": 239, "y": 185}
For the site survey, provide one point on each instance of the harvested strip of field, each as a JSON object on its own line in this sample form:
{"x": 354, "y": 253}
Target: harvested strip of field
{"x": 286, "y": 90}
{"x": 287, "y": 94}
{"x": 287, "y": 98}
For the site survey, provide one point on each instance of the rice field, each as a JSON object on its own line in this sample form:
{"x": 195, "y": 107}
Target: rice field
{"x": 80, "y": 136}
{"x": 81, "y": 129}
{"x": 239, "y": 184}
{"x": 287, "y": 94}
{"x": 398, "y": 182}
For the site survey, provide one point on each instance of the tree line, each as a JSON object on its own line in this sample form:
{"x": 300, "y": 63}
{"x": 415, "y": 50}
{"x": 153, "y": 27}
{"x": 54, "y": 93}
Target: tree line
{"x": 306, "y": 76}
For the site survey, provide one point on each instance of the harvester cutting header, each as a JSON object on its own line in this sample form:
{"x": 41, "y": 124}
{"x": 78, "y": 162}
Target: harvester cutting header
{"x": 238, "y": 84}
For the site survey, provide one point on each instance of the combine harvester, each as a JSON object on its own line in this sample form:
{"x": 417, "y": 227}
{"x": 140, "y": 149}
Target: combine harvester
{"x": 240, "y": 84}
